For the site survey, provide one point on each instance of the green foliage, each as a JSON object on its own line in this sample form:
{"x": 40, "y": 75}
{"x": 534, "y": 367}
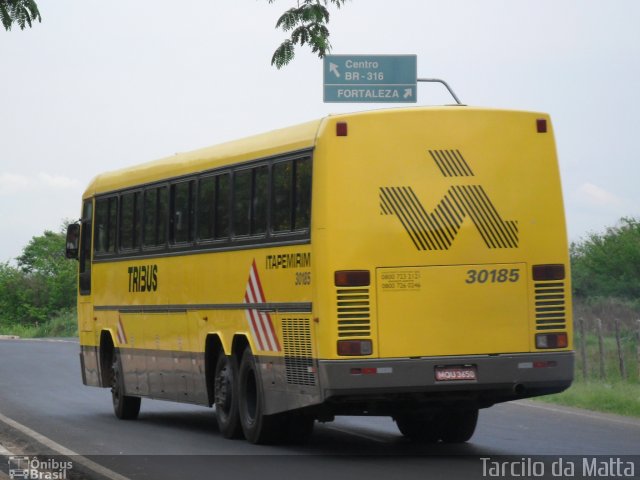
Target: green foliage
{"x": 308, "y": 26}
{"x": 610, "y": 397}
{"x": 61, "y": 324}
{"x": 608, "y": 264}
{"x": 22, "y": 12}
{"x": 43, "y": 283}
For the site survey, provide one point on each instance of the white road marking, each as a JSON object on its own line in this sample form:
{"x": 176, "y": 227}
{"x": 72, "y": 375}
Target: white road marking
{"x": 357, "y": 434}
{"x": 4, "y": 451}
{"x": 56, "y": 447}
{"x": 605, "y": 417}
{"x": 50, "y": 340}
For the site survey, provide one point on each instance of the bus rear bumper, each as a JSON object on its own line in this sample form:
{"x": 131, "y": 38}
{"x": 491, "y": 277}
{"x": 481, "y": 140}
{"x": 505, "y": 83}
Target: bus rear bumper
{"x": 499, "y": 378}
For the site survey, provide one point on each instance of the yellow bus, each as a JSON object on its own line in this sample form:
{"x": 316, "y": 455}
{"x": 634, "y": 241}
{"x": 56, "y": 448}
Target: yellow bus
{"x": 409, "y": 263}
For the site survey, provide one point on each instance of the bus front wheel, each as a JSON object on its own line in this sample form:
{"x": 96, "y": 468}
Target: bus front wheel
{"x": 125, "y": 407}
{"x": 226, "y": 399}
{"x": 256, "y": 425}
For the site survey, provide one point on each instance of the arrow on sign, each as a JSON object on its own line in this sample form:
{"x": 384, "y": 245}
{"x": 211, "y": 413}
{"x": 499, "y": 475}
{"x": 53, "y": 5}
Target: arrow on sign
{"x": 408, "y": 92}
{"x": 333, "y": 68}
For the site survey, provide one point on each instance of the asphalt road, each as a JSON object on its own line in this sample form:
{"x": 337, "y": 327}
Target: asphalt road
{"x": 41, "y": 389}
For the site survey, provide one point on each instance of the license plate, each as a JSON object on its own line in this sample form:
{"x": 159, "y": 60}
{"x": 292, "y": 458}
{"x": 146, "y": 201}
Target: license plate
{"x": 456, "y": 373}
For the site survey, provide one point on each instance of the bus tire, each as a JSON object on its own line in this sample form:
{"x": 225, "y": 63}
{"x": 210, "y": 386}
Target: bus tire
{"x": 459, "y": 425}
{"x": 124, "y": 406}
{"x": 257, "y": 427}
{"x": 299, "y": 427}
{"x": 225, "y": 396}
{"x": 419, "y": 427}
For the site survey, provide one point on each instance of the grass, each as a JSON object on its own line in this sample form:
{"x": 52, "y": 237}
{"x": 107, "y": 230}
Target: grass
{"x": 62, "y": 324}
{"x": 619, "y": 397}
{"x": 611, "y": 394}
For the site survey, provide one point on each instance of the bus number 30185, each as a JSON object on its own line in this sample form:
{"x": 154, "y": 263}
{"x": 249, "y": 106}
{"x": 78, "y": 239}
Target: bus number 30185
{"x": 303, "y": 278}
{"x": 502, "y": 275}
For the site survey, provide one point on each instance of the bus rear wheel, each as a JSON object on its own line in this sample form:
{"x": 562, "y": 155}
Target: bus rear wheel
{"x": 226, "y": 398}
{"x": 459, "y": 425}
{"x": 256, "y": 425}
{"x": 419, "y": 427}
{"x": 449, "y": 426}
{"x": 124, "y": 406}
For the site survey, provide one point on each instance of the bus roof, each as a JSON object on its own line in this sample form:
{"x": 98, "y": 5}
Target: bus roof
{"x": 268, "y": 144}
{"x": 276, "y": 142}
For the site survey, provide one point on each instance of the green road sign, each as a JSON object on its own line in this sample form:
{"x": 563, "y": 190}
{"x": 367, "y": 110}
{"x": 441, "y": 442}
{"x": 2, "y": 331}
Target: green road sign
{"x": 370, "y": 78}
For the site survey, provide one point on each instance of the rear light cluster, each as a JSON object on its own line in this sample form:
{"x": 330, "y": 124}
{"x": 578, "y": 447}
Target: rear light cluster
{"x": 552, "y": 340}
{"x": 352, "y": 278}
{"x": 548, "y": 272}
{"x": 352, "y": 348}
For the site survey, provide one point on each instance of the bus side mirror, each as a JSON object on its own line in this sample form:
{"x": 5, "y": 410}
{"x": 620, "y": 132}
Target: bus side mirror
{"x": 73, "y": 237}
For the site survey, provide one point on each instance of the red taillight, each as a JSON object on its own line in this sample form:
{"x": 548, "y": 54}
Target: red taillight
{"x": 350, "y": 348}
{"x": 552, "y": 340}
{"x": 341, "y": 129}
{"x": 545, "y": 364}
{"x": 541, "y": 125}
{"x": 352, "y": 278}
{"x": 548, "y": 272}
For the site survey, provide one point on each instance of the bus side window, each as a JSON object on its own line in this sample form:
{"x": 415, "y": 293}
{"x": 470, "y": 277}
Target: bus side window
{"x": 214, "y": 207}
{"x": 250, "y": 201}
{"x": 85, "y": 248}
{"x": 242, "y": 202}
{"x": 130, "y": 220}
{"x": 182, "y": 212}
{"x": 282, "y": 197}
{"x": 206, "y": 206}
{"x": 302, "y": 189}
{"x": 291, "y": 195}
{"x": 105, "y": 225}
{"x": 155, "y": 216}
{"x": 260, "y": 200}
{"x": 222, "y": 206}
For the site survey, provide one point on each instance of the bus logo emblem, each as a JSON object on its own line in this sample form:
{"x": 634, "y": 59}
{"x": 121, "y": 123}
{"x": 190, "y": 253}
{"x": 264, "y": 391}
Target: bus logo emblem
{"x": 436, "y": 230}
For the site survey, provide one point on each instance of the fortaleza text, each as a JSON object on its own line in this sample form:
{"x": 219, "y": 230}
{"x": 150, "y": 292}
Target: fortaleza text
{"x": 368, "y": 93}
{"x": 560, "y": 467}
{"x": 143, "y": 278}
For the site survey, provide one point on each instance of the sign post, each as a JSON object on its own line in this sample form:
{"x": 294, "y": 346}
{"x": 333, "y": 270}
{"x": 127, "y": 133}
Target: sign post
{"x": 370, "y": 78}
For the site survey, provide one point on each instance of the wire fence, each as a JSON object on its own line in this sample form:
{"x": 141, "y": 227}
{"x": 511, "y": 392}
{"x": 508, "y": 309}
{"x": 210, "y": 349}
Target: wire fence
{"x": 607, "y": 350}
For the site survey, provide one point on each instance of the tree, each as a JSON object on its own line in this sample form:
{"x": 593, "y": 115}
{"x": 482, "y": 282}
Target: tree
{"x": 45, "y": 265}
{"x": 608, "y": 264}
{"x": 22, "y": 12}
{"x": 42, "y": 284}
{"x": 308, "y": 25}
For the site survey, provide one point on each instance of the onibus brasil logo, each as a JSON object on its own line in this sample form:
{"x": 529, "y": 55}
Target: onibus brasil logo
{"x": 436, "y": 230}
{"x": 33, "y": 468}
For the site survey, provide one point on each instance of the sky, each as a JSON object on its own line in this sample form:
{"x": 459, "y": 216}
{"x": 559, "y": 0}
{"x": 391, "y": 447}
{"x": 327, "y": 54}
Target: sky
{"x": 103, "y": 85}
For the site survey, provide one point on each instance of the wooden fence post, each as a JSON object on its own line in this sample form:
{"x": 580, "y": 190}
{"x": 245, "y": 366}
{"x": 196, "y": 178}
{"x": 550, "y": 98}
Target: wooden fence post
{"x": 583, "y": 348}
{"x": 603, "y": 374}
{"x": 623, "y": 370}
